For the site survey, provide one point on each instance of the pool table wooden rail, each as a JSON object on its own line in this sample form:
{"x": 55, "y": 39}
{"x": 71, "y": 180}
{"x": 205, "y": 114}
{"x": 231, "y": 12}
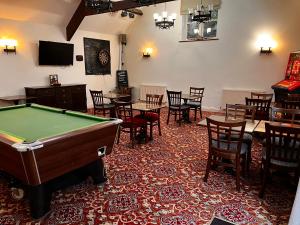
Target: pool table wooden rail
{"x": 58, "y": 155}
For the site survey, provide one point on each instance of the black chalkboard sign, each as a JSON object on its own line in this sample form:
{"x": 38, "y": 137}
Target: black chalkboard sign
{"x": 122, "y": 78}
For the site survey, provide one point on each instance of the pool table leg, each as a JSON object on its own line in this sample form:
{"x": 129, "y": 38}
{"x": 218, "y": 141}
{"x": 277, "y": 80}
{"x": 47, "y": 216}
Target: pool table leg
{"x": 39, "y": 200}
{"x": 97, "y": 171}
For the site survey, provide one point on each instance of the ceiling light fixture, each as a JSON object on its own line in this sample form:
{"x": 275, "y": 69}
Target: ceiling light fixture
{"x": 99, "y": 5}
{"x": 164, "y": 21}
{"x": 202, "y": 14}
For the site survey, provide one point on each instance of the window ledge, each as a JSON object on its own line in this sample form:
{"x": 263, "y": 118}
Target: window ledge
{"x": 202, "y": 39}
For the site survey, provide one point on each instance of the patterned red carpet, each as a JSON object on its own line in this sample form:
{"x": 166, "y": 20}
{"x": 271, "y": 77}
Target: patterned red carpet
{"x": 161, "y": 183}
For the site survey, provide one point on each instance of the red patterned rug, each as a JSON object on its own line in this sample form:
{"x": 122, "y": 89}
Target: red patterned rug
{"x": 161, "y": 183}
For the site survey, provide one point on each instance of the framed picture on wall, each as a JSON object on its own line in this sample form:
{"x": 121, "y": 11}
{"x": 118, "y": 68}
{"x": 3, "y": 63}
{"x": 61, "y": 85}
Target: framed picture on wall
{"x": 97, "y": 56}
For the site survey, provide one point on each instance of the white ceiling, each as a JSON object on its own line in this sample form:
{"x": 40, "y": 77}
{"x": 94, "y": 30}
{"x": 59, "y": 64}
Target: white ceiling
{"x": 59, "y": 13}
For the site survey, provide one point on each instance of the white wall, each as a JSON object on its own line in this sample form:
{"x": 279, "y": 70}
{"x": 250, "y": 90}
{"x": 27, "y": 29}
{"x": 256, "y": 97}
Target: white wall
{"x": 22, "y": 69}
{"x": 233, "y": 62}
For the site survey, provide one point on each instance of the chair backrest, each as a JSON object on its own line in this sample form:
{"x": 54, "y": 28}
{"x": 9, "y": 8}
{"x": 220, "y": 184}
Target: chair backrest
{"x": 225, "y": 136}
{"x": 262, "y": 107}
{"x": 282, "y": 143}
{"x": 97, "y": 97}
{"x": 124, "y": 111}
{"x": 285, "y": 115}
{"x": 261, "y": 95}
{"x": 174, "y": 98}
{"x": 291, "y": 104}
{"x": 154, "y": 100}
{"x": 239, "y": 111}
{"x": 293, "y": 97}
{"x": 197, "y": 92}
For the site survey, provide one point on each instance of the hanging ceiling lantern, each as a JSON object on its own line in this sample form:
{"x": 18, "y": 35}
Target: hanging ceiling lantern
{"x": 202, "y": 14}
{"x": 164, "y": 21}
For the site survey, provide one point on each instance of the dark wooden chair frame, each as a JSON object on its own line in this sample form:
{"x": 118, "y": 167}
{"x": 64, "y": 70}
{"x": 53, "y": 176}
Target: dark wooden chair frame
{"x": 157, "y": 100}
{"x": 283, "y": 139}
{"x": 261, "y": 95}
{"x": 217, "y": 154}
{"x": 196, "y": 92}
{"x": 99, "y": 105}
{"x": 262, "y": 107}
{"x": 285, "y": 115}
{"x": 125, "y": 113}
{"x": 175, "y": 106}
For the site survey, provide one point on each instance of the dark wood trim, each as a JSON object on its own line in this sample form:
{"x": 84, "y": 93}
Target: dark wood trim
{"x": 76, "y": 20}
{"x": 82, "y": 12}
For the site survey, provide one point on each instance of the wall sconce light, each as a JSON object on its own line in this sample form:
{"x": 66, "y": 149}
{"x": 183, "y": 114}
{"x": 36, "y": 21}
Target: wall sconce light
{"x": 266, "y": 43}
{"x": 147, "y": 52}
{"x": 10, "y": 46}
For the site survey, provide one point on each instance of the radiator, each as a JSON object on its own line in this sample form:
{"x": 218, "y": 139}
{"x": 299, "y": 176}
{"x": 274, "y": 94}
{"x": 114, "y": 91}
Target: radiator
{"x": 153, "y": 89}
{"x": 235, "y": 96}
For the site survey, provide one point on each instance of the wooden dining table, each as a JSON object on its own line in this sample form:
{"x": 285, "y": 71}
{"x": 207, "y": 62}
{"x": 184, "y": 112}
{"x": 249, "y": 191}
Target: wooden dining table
{"x": 261, "y": 127}
{"x": 249, "y": 128}
{"x": 186, "y": 98}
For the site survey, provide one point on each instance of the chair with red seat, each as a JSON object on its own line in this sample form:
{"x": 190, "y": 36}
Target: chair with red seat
{"x": 153, "y": 117}
{"x": 130, "y": 124}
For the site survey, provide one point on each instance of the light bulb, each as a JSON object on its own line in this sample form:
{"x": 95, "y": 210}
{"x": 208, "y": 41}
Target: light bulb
{"x": 159, "y": 19}
{"x": 173, "y": 16}
{"x": 165, "y": 14}
{"x": 155, "y": 16}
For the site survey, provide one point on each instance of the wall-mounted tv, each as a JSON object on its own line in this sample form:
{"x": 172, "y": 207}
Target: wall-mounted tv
{"x": 56, "y": 54}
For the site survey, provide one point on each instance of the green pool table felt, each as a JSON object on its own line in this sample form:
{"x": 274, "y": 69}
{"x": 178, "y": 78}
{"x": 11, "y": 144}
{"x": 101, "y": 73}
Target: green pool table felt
{"x": 33, "y": 123}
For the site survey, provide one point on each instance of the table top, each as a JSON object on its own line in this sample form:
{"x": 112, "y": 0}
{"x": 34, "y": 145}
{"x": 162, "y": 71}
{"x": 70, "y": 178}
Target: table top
{"x": 249, "y": 128}
{"x": 260, "y": 128}
{"x": 189, "y": 97}
{"x": 44, "y": 122}
{"x": 143, "y": 106}
{"x": 16, "y": 98}
{"x": 115, "y": 95}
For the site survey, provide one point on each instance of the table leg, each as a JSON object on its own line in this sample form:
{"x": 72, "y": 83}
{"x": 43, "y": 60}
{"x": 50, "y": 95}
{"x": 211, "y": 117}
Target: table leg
{"x": 97, "y": 171}
{"x": 39, "y": 200}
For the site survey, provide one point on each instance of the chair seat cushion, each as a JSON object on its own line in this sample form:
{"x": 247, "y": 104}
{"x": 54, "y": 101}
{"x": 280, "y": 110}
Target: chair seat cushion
{"x": 136, "y": 121}
{"x": 105, "y": 106}
{"x": 194, "y": 104}
{"x": 183, "y": 107}
{"x": 278, "y": 162}
{"x": 232, "y": 147}
{"x": 149, "y": 116}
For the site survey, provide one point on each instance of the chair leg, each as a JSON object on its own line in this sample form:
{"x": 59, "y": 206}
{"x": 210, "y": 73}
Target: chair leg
{"x": 201, "y": 112}
{"x": 208, "y": 167}
{"x": 119, "y": 134}
{"x": 195, "y": 116}
{"x": 238, "y": 174}
{"x": 151, "y": 131}
{"x": 158, "y": 124}
{"x": 132, "y": 136}
{"x": 264, "y": 181}
{"x": 176, "y": 116}
{"x": 168, "y": 117}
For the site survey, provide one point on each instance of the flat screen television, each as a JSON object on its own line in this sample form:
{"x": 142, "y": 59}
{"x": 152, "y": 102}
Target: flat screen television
{"x": 56, "y": 54}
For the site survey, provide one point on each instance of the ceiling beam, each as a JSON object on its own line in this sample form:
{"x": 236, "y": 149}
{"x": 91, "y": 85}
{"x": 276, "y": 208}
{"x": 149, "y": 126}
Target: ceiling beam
{"x": 135, "y": 11}
{"x": 82, "y": 11}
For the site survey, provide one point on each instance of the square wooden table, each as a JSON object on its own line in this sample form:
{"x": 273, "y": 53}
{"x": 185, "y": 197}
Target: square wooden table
{"x": 249, "y": 128}
{"x": 261, "y": 129}
{"x": 112, "y": 96}
{"x": 146, "y": 107}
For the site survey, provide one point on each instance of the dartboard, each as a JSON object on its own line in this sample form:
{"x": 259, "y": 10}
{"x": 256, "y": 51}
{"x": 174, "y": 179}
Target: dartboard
{"x": 104, "y": 57}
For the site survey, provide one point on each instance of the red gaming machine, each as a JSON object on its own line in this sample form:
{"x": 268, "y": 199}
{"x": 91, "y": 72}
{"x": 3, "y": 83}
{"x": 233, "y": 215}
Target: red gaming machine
{"x": 291, "y": 83}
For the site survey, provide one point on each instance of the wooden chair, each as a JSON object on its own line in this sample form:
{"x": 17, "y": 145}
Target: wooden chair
{"x": 196, "y": 103}
{"x": 261, "y": 95}
{"x": 175, "y": 106}
{"x": 285, "y": 115}
{"x": 282, "y": 151}
{"x": 242, "y": 112}
{"x": 100, "y": 106}
{"x": 230, "y": 148}
{"x": 153, "y": 117}
{"x": 262, "y": 107}
{"x": 130, "y": 124}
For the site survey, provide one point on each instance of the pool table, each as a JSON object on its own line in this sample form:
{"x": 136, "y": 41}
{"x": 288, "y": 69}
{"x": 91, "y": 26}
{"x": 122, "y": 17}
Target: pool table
{"x": 41, "y": 146}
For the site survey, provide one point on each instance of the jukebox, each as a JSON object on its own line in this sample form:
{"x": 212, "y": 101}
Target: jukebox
{"x": 291, "y": 83}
